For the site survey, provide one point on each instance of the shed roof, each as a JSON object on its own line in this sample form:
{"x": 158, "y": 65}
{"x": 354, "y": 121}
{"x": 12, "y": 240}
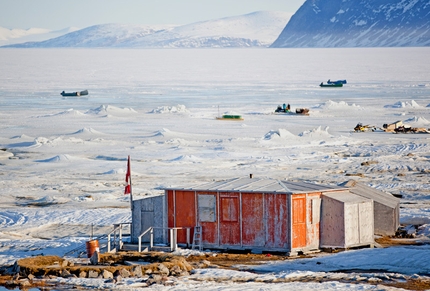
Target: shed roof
{"x": 346, "y": 197}
{"x": 260, "y": 185}
{"x": 372, "y": 193}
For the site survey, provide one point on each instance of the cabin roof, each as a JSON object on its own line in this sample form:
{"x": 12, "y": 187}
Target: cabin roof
{"x": 259, "y": 185}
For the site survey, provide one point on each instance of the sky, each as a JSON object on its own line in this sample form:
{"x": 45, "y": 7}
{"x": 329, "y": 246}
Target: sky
{"x": 55, "y": 14}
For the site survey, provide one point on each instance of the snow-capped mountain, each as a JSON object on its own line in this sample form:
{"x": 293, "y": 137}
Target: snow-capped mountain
{"x": 358, "y": 23}
{"x": 258, "y": 29}
{"x": 14, "y": 36}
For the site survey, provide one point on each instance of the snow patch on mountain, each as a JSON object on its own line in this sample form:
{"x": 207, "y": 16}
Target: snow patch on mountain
{"x": 17, "y": 35}
{"x": 257, "y": 29}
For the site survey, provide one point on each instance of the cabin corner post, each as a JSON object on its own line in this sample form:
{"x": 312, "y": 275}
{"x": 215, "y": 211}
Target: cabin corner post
{"x": 240, "y": 219}
{"x": 218, "y": 219}
{"x": 290, "y": 218}
{"x": 165, "y": 215}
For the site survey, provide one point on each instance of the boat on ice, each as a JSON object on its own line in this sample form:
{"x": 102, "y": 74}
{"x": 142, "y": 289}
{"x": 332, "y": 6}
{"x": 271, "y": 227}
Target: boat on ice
{"x": 336, "y": 82}
{"x": 79, "y": 93}
{"x": 332, "y": 85}
{"x": 230, "y": 117}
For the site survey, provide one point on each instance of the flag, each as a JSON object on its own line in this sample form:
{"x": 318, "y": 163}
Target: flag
{"x": 127, "y": 189}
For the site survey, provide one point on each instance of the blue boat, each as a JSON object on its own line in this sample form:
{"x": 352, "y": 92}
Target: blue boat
{"x": 336, "y": 82}
{"x": 81, "y": 93}
{"x": 331, "y": 85}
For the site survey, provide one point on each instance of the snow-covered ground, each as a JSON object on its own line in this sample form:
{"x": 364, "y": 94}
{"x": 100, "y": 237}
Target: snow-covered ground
{"x": 63, "y": 166}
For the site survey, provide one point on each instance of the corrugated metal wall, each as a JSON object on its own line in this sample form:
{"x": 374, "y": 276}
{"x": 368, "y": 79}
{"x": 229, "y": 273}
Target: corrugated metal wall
{"x": 149, "y": 212}
{"x": 239, "y": 220}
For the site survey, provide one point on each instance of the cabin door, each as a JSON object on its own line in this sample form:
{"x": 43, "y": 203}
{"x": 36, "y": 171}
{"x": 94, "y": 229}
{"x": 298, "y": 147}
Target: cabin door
{"x": 299, "y": 222}
{"x": 229, "y": 219}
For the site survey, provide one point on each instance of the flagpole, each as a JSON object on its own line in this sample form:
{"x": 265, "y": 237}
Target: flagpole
{"x": 131, "y": 190}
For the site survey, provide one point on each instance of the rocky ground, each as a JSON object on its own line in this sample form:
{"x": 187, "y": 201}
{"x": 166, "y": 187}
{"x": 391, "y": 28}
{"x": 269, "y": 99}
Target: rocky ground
{"x": 155, "y": 267}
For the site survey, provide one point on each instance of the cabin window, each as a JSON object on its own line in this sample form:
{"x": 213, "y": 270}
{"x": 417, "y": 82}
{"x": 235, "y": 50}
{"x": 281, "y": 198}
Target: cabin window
{"x": 207, "y": 208}
{"x": 229, "y": 209}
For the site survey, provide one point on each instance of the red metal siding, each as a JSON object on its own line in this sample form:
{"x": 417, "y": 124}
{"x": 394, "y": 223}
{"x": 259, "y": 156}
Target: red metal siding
{"x": 184, "y": 212}
{"x": 253, "y": 233}
{"x": 277, "y": 220}
{"x": 170, "y": 209}
{"x": 299, "y": 221}
{"x": 229, "y": 217}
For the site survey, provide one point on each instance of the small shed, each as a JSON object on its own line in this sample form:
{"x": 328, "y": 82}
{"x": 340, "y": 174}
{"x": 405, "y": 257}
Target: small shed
{"x": 346, "y": 220}
{"x": 149, "y": 212}
{"x": 386, "y": 207}
{"x": 250, "y": 214}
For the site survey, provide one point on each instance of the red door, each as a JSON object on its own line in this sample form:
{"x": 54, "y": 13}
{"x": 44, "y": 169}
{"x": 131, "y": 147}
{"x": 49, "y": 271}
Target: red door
{"x": 299, "y": 222}
{"x": 229, "y": 219}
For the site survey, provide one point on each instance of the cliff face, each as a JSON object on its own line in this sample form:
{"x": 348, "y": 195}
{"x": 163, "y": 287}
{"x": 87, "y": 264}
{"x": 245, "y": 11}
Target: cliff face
{"x": 358, "y": 23}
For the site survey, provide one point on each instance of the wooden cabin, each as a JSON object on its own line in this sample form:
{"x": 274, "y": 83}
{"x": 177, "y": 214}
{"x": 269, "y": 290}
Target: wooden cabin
{"x": 252, "y": 214}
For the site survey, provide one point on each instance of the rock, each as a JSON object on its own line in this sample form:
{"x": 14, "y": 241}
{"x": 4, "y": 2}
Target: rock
{"x": 16, "y": 268}
{"x": 82, "y": 274}
{"x": 154, "y": 279}
{"x": 137, "y": 271}
{"x": 24, "y": 283}
{"x": 183, "y": 273}
{"x": 95, "y": 259}
{"x": 10, "y": 283}
{"x": 148, "y": 271}
{"x": 30, "y": 277}
{"x": 117, "y": 278}
{"x": 175, "y": 270}
{"x": 64, "y": 263}
{"x": 124, "y": 273}
{"x": 65, "y": 273}
{"x": 163, "y": 270}
{"x": 203, "y": 264}
{"x": 107, "y": 275}
{"x": 93, "y": 274}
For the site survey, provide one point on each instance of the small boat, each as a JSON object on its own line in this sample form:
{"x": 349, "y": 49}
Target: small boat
{"x": 80, "y": 93}
{"x": 336, "y": 82}
{"x": 331, "y": 85}
{"x": 230, "y": 117}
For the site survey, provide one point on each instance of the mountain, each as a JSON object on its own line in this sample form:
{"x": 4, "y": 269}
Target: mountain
{"x": 15, "y": 36}
{"x": 358, "y": 23}
{"x": 258, "y": 29}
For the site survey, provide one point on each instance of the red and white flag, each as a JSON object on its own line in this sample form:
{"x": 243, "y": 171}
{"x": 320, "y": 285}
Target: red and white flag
{"x": 127, "y": 189}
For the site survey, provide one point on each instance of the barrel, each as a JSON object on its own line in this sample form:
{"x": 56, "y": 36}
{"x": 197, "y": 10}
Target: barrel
{"x": 92, "y": 247}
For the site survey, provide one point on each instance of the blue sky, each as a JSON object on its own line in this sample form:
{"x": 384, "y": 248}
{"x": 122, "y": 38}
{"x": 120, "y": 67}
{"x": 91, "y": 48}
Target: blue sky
{"x": 59, "y": 14}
